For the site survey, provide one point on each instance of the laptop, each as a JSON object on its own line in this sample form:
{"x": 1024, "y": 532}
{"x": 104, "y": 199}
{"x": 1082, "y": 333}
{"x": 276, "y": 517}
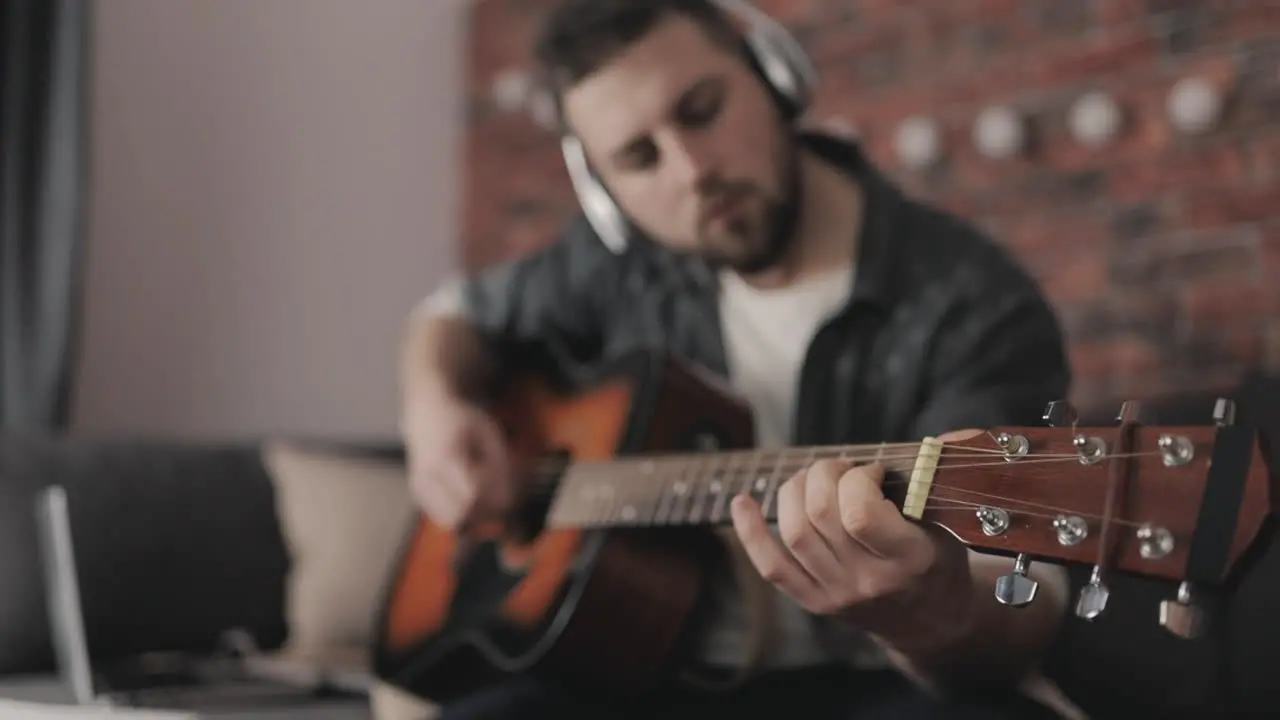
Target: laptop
{"x": 236, "y": 678}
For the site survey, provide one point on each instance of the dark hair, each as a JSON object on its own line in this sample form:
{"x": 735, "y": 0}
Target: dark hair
{"x": 578, "y": 37}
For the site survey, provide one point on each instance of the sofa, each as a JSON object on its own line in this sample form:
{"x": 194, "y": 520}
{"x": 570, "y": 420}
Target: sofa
{"x": 290, "y": 539}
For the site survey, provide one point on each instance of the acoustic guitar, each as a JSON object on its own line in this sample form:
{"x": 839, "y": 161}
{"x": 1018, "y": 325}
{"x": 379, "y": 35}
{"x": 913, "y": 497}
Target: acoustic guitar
{"x": 599, "y": 576}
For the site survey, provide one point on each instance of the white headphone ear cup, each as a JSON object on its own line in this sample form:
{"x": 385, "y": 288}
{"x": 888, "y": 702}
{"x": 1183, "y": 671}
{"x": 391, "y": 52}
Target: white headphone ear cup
{"x": 779, "y": 55}
{"x": 598, "y": 207}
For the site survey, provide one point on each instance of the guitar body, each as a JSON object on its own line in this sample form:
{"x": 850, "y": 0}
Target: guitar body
{"x": 608, "y": 609}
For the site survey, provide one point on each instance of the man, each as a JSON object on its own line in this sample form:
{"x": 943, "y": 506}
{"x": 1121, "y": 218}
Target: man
{"x": 841, "y": 310}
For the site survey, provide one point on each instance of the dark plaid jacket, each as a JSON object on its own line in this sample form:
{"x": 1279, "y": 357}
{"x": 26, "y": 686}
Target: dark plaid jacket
{"x": 943, "y": 330}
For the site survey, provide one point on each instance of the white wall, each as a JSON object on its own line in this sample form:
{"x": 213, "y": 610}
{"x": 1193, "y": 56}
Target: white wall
{"x": 275, "y": 183}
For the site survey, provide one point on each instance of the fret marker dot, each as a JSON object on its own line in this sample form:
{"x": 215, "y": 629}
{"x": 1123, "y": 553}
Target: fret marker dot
{"x": 715, "y": 486}
{"x": 681, "y": 488}
{"x": 761, "y": 483}
{"x": 628, "y": 513}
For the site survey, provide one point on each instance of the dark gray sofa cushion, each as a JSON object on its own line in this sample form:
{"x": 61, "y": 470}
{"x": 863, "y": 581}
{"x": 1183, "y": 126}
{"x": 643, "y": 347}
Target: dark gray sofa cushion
{"x": 176, "y": 543}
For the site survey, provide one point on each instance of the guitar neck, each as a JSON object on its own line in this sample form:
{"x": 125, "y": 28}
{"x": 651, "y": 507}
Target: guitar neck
{"x": 695, "y": 489}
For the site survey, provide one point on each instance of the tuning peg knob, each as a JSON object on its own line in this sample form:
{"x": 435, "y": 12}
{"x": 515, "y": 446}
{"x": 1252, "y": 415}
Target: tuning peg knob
{"x": 1060, "y": 413}
{"x": 1224, "y": 413}
{"x": 1093, "y": 597}
{"x": 1181, "y": 616}
{"x": 1016, "y": 589}
{"x": 1130, "y": 412}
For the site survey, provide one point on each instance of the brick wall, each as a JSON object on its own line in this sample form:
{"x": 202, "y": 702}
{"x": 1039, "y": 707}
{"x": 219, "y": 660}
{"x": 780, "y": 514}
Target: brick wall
{"x": 1160, "y": 251}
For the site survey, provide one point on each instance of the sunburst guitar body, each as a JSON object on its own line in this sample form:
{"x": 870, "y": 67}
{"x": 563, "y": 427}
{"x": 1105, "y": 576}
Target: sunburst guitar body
{"x": 603, "y": 602}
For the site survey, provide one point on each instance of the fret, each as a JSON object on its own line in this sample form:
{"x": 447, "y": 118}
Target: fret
{"x": 626, "y": 510}
{"x": 724, "y": 489}
{"x": 755, "y": 483}
{"x": 683, "y": 491}
{"x": 668, "y": 497}
{"x": 771, "y": 493}
{"x": 705, "y": 484}
{"x": 648, "y": 490}
{"x": 602, "y": 501}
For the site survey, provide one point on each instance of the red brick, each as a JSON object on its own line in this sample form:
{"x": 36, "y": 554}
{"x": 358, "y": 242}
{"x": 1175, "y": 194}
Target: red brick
{"x": 1220, "y": 164}
{"x": 1240, "y": 345}
{"x": 1137, "y": 368}
{"x": 501, "y": 37}
{"x": 1132, "y": 356}
{"x": 1245, "y": 21}
{"x": 1213, "y": 207}
{"x": 1223, "y": 255}
{"x": 1120, "y": 12}
{"x": 1044, "y": 233}
{"x": 1096, "y": 56}
{"x": 793, "y": 12}
{"x": 1072, "y": 276}
{"x": 1210, "y": 305}
{"x": 1091, "y": 360}
{"x": 1263, "y": 159}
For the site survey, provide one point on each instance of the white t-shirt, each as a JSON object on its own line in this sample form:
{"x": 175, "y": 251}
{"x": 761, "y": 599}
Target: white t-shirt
{"x": 766, "y": 335}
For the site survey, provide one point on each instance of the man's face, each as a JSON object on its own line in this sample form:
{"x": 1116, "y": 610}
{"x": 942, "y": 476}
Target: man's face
{"x": 689, "y": 143}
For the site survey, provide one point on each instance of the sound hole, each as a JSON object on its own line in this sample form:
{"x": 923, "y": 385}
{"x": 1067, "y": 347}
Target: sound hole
{"x": 541, "y": 479}
{"x": 701, "y": 438}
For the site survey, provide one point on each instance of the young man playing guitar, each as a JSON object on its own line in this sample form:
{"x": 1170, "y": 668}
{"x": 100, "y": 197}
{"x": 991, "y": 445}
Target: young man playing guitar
{"x": 840, "y": 309}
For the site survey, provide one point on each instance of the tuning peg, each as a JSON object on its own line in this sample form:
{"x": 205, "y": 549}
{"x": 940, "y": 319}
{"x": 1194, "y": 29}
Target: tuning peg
{"x": 1129, "y": 412}
{"x": 1060, "y": 413}
{"x": 1093, "y": 596}
{"x": 1016, "y": 589}
{"x": 1224, "y": 413}
{"x": 1181, "y": 616}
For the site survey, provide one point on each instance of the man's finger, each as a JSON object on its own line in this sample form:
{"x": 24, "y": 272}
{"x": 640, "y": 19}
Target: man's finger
{"x": 872, "y": 520}
{"x": 768, "y": 556}
{"x": 822, "y": 506}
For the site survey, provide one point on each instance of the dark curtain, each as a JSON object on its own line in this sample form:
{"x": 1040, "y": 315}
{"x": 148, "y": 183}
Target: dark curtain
{"x": 43, "y": 78}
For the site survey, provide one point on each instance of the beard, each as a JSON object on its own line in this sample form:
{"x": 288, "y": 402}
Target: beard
{"x": 762, "y": 229}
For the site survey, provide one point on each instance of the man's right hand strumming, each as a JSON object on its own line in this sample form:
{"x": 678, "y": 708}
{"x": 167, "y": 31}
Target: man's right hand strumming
{"x": 460, "y": 471}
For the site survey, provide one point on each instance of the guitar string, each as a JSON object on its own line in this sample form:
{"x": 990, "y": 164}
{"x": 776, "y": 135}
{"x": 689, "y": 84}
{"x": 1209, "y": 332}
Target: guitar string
{"x": 934, "y": 505}
{"x": 738, "y": 474}
{"x": 551, "y": 480}
{"x": 654, "y": 469}
{"x": 849, "y": 452}
{"x": 958, "y": 504}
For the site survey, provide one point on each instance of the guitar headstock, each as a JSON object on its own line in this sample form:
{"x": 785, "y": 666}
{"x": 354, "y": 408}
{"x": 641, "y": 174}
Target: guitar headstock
{"x": 1180, "y": 503}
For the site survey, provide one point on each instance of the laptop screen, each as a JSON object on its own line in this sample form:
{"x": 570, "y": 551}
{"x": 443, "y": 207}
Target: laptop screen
{"x": 62, "y": 593}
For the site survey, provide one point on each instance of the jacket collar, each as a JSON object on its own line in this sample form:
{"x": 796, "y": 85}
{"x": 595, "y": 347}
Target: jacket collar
{"x": 878, "y": 264}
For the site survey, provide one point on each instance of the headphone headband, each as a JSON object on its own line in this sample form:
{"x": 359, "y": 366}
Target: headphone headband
{"x": 786, "y": 68}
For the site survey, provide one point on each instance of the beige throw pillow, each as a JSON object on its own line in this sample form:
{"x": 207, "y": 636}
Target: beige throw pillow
{"x": 344, "y": 519}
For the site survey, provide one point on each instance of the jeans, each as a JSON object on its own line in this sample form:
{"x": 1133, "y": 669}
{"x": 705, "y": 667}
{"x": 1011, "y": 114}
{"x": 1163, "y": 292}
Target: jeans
{"x": 828, "y": 693}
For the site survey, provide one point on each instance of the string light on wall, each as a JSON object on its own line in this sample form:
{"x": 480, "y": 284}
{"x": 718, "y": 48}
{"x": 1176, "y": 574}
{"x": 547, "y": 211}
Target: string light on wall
{"x": 999, "y": 132}
{"x": 542, "y": 108}
{"x": 510, "y": 90}
{"x": 1095, "y": 119}
{"x": 513, "y": 91}
{"x": 918, "y": 142}
{"x": 1194, "y": 105}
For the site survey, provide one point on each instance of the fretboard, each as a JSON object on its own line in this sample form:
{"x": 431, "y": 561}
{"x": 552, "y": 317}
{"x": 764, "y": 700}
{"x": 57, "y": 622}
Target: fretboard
{"x": 694, "y": 489}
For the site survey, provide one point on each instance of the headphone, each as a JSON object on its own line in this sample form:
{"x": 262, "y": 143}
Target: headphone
{"x": 778, "y": 57}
